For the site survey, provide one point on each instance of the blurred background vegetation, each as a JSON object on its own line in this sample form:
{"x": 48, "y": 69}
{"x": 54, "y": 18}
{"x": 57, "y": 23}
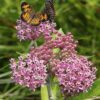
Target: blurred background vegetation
{"x": 81, "y": 17}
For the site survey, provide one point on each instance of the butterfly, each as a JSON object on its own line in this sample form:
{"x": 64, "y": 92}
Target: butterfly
{"x": 31, "y": 17}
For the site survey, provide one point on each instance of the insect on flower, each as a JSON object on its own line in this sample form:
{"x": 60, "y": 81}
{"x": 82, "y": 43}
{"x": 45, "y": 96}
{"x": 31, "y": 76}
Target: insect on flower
{"x": 31, "y": 17}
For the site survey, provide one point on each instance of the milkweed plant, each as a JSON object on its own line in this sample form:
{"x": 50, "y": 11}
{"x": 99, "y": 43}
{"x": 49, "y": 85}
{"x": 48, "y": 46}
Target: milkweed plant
{"x": 55, "y": 61}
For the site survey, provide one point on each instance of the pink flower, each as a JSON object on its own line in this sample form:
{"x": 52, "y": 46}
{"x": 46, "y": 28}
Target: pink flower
{"x": 31, "y": 32}
{"x": 28, "y": 71}
{"x": 66, "y": 44}
{"x": 75, "y": 74}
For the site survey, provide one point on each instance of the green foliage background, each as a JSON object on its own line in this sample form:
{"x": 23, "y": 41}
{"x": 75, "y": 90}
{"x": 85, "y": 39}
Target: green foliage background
{"x": 81, "y": 17}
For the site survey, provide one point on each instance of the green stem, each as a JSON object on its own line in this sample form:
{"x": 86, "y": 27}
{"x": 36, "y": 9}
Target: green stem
{"x": 49, "y": 89}
{"x": 44, "y": 93}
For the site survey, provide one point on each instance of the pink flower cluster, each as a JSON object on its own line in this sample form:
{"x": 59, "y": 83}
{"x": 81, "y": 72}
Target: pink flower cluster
{"x": 75, "y": 74}
{"x": 29, "y": 32}
{"x": 65, "y": 43}
{"x": 29, "y": 71}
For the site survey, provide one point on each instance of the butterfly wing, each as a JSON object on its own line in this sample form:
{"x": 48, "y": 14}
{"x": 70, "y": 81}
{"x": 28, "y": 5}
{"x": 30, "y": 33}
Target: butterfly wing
{"x": 25, "y": 7}
{"x": 26, "y": 12}
{"x": 43, "y": 16}
{"x": 33, "y": 18}
{"x": 25, "y": 16}
{"x": 49, "y": 9}
{"x": 30, "y": 19}
{"x": 35, "y": 21}
{"x": 28, "y": 15}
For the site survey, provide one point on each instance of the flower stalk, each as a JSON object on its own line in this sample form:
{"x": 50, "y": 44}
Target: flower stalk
{"x": 49, "y": 89}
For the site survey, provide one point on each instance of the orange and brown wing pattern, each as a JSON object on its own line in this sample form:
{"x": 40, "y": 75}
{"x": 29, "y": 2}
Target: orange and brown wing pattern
{"x": 25, "y": 7}
{"x": 28, "y": 15}
{"x": 43, "y": 17}
{"x": 33, "y": 18}
{"x": 38, "y": 18}
{"x": 26, "y": 12}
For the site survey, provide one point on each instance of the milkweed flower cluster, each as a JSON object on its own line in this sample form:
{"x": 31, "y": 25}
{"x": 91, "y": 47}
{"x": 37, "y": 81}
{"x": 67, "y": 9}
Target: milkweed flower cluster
{"x": 29, "y": 71}
{"x": 29, "y": 32}
{"x": 66, "y": 45}
{"x": 74, "y": 72}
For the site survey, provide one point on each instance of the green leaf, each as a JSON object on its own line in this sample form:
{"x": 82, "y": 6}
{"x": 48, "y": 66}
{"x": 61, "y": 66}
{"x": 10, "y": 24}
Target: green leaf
{"x": 5, "y": 74}
{"x": 61, "y": 31}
